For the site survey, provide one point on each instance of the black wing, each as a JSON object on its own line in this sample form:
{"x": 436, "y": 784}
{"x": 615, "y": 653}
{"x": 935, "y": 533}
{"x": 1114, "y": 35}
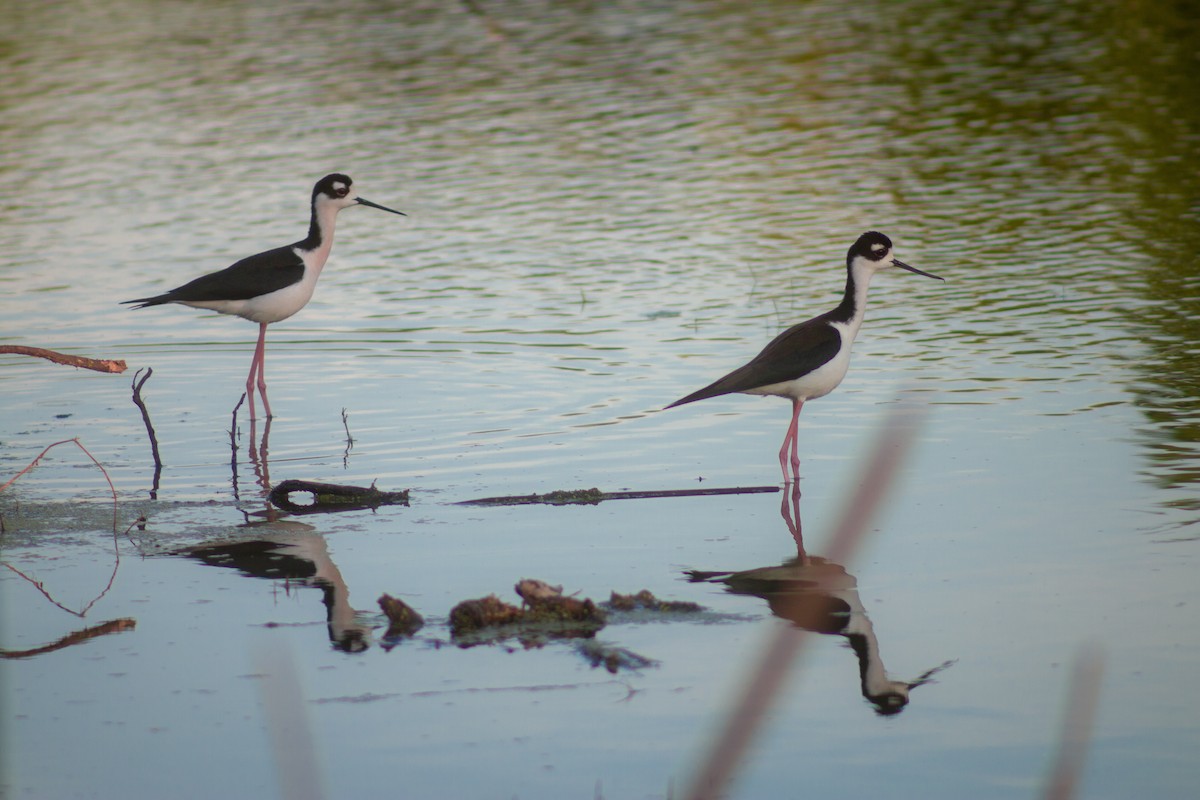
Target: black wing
{"x": 794, "y": 353}
{"x": 251, "y": 277}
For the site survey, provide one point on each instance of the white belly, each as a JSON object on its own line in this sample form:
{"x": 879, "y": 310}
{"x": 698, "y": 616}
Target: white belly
{"x": 818, "y": 383}
{"x": 271, "y": 307}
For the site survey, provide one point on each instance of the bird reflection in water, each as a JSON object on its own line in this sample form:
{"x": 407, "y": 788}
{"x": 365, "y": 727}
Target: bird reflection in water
{"x": 820, "y": 596}
{"x": 295, "y": 553}
{"x": 256, "y": 450}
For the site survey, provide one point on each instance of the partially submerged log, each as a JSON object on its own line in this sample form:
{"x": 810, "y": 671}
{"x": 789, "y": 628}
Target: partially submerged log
{"x": 329, "y": 497}
{"x": 591, "y": 497}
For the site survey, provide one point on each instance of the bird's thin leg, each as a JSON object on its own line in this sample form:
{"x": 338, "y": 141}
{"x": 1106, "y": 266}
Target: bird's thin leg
{"x": 783, "y": 457}
{"x": 250, "y": 384}
{"x": 255, "y": 379}
{"x": 260, "y": 353}
{"x": 790, "y": 439}
{"x": 796, "y": 406}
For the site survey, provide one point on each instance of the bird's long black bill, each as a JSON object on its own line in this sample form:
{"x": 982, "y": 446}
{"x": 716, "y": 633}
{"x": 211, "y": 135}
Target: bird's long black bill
{"x": 363, "y": 202}
{"x": 902, "y": 265}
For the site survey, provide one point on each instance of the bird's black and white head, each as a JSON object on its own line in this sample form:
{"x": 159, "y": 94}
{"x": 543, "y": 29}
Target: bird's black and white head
{"x": 873, "y": 252}
{"x": 336, "y": 191}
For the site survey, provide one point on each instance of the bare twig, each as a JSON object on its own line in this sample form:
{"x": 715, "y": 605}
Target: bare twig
{"x": 97, "y": 364}
{"x": 137, "y": 401}
{"x": 233, "y": 448}
{"x": 241, "y": 400}
{"x": 349, "y": 440}
{"x": 78, "y": 444}
{"x": 116, "y": 547}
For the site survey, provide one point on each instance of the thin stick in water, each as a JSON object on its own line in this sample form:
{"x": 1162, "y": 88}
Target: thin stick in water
{"x": 137, "y": 401}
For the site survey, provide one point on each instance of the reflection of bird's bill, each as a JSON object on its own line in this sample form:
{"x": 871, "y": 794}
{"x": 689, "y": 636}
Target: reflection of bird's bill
{"x": 927, "y": 676}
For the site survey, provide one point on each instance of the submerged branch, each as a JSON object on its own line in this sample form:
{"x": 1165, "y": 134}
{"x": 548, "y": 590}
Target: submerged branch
{"x": 565, "y": 497}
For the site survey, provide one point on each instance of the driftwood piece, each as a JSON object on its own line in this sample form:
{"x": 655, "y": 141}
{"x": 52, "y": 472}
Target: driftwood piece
{"x": 328, "y": 497}
{"x": 97, "y": 364}
{"x": 593, "y": 496}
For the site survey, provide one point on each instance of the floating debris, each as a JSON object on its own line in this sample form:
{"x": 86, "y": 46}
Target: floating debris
{"x": 546, "y": 615}
{"x": 531, "y": 590}
{"x": 645, "y": 600}
{"x": 486, "y": 612}
{"x": 565, "y": 609}
{"x": 402, "y": 619}
{"x": 329, "y": 497}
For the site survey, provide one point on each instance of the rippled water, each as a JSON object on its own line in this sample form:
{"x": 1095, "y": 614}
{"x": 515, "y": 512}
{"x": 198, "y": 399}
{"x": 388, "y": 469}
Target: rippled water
{"x": 610, "y": 205}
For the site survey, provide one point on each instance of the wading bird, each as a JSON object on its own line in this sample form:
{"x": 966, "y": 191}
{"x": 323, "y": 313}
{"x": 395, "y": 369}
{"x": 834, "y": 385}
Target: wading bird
{"x": 275, "y": 284}
{"x": 810, "y": 359}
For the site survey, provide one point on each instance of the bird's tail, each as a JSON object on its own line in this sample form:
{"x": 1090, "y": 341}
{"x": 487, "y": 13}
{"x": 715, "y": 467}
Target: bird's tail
{"x": 144, "y": 302}
{"x": 711, "y": 390}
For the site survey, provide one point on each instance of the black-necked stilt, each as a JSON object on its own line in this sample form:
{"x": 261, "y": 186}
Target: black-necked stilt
{"x": 809, "y": 360}
{"x": 273, "y": 285}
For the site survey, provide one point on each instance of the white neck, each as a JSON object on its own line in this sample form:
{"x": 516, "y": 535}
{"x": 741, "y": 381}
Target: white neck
{"x": 323, "y": 223}
{"x": 857, "y": 285}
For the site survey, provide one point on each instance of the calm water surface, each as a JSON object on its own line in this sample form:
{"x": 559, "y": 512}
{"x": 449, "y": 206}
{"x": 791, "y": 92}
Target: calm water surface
{"x": 610, "y": 205}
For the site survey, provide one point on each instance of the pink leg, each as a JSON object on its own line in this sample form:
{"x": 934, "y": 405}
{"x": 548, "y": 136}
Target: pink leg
{"x": 796, "y": 406}
{"x": 256, "y": 377}
{"x": 261, "y": 351}
{"x": 791, "y": 440}
{"x": 250, "y": 384}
